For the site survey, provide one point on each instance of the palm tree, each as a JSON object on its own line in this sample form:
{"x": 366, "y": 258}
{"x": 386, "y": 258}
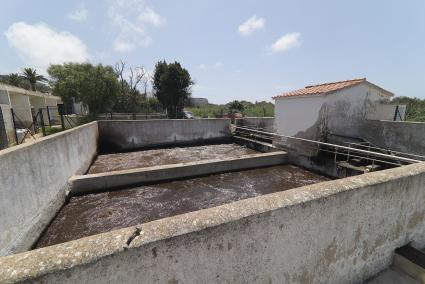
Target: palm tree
{"x": 32, "y": 77}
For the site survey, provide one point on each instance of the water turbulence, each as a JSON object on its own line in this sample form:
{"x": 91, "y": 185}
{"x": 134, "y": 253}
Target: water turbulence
{"x": 148, "y": 158}
{"x": 96, "y": 213}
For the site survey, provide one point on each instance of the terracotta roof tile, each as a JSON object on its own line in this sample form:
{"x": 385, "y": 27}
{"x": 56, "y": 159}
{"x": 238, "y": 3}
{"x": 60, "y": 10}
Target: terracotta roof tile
{"x": 322, "y": 89}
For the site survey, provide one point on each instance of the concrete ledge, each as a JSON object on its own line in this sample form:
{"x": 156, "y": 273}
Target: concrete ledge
{"x": 119, "y": 179}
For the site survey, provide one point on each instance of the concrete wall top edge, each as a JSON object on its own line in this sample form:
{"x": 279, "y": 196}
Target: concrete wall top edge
{"x": 44, "y": 140}
{"x": 403, "y": 122}
{"x": 47, "y": 260}
{"x": 170, "y": 166}
{"x": 147, "y": 120}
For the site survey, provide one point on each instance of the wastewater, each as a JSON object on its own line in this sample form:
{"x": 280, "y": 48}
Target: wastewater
{"x": 97, "y": 213}
{"x": 156, "y": 157}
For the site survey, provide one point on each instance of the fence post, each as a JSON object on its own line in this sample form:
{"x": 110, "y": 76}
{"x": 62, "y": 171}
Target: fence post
{"x": 43, "y": 129}
{"x": 60, "y": 110}
{"x": 14, "y": 125}
{"x": 48, "y": 116}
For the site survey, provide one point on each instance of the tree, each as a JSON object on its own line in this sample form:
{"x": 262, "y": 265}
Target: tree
{"x": 95, "y": 86}
{"x": 14, "y": 79}
{"x": 171, "y": 85}
{"x": 235, "y": 106}
{"x": 129, "y": 98}
{"x": 32, "y": 77}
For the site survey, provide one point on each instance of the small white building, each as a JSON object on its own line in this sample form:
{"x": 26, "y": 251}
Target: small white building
{"x": 333, "y": 111}
{"x": 23, "y": 102}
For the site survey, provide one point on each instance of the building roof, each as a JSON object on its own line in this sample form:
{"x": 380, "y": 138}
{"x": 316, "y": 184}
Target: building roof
{"x": 327, "y": 88}
{"x": 21, "y": 91}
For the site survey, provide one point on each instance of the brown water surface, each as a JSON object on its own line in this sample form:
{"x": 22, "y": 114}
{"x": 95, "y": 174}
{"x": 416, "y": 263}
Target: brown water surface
{"x": 156, "y": 157}
{"x": 97, "y": 213}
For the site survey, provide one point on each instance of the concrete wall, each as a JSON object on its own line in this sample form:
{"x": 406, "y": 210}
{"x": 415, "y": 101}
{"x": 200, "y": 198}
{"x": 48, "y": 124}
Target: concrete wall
{"x": 403, "y": 136}
{"x": 266, "y": 123}
{"x": 341, "y": 231}
{"x": 386, "y": 112}
{"x": 148, "y": 175}
{"x": 128, "y": 135}
{"x": 33, "y": 181}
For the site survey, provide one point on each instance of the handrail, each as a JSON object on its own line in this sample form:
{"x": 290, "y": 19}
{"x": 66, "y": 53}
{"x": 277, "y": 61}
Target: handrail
{"x": 391, "y": 157}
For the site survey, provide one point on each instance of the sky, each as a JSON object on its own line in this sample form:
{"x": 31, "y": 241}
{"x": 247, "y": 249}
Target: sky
{"x": 234, "y": 50}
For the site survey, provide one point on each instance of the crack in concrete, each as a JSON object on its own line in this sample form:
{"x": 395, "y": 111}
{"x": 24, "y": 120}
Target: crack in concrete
{"x": 133, "y": 236}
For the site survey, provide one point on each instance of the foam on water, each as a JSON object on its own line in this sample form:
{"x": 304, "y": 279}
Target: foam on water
{"x": 96, "y": 213}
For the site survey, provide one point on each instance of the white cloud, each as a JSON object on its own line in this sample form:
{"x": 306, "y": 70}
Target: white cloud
{"x": 131, "y": 19}
{"x": 79, "y": 15}
{"x": 150, "y": 17}
{"x": 39, "y": 45}
{"x": 216, "y": 65}
{"x": 251, "y": 25}
{"x": 286, "y": 42}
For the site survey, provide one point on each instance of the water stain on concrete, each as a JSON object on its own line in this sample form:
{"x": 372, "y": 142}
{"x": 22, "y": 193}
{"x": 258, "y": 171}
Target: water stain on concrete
{"x": 97, "y": 213}
{"x": 157, "y": 157}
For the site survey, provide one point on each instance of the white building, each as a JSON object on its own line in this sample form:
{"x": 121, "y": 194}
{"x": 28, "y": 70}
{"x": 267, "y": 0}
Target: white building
{"x": 332, "y": 111}
{"x": 22, "y": 102}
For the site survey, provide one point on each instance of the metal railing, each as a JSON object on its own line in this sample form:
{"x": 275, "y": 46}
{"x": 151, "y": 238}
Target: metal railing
{"x": 347, "y": 151}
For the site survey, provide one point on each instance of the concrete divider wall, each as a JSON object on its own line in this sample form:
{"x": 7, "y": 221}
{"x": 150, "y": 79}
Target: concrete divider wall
{"x": 33, "y": 181}
{"x": 341, "y": 231}
{"x": 125, "y": 178}
{"x": 258, "y": 122}
{"x": 128, "y": 135}
{"x": 403, "y": 136}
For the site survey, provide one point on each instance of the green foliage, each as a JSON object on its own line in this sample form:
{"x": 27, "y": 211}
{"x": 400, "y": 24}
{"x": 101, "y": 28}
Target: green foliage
{"x": 96, "y": 86}
{"x": 17, "y": 80}
{"x": 52, "y": 130}
{"x": 128, "y": 99}
{"x": 32, "y": 77}
{"x": 171, "y": 85}
{"x": 257, "y": 109}
{"x": 415, "y": 108}
{"x": 235, "y": 106}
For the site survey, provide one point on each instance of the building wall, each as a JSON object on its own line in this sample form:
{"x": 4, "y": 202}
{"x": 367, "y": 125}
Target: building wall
{"x": 33, "y": 182}
{"x": 7, "y": 122}
{"x": 119, "y": 135}
{"x": 340, "y": 231}
{"x": 198, "y": 101}
{"x": 4, "y": 97}
{"x": 338, "y": 114}
{"x": 293, "y": 116}
{"x": 22, "y": 109}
